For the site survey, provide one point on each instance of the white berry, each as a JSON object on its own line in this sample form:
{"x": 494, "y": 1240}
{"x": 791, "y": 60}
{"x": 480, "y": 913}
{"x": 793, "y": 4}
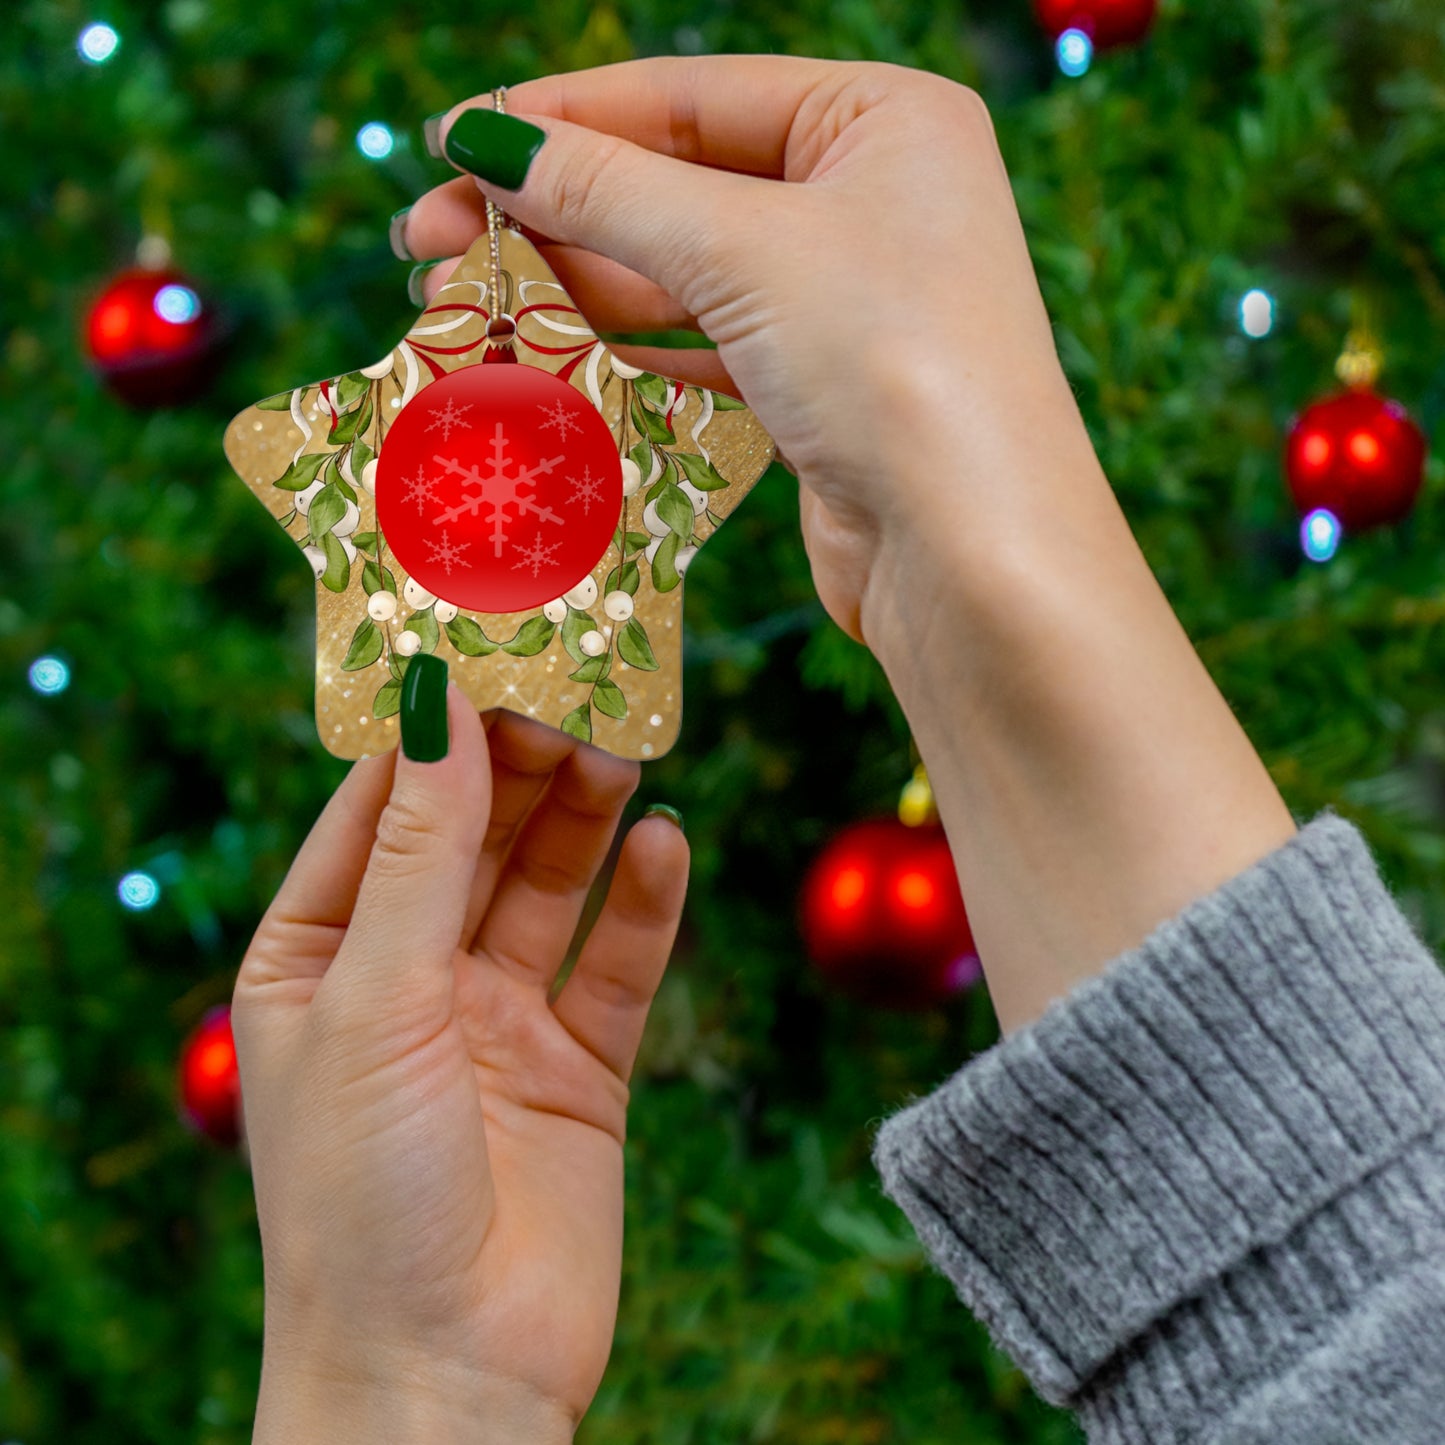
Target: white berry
{"x": 696, "y": 496}
{"x": 617, "y": 605}
{"x": 653, "y": 522}
{"x": 381, "y": 606}
{"x": 380, "y": 368}
{"x": 349, "y": 520}
{"x": 683, "y": 560}
{"x": 583, "y": 595}
{"x": 306, "y": 495}
{"x": 368, "y": 478}
{"x": 407, "y": 643}
{"x": 592, "y": 643}
{"x": 631, "y": 477}
{"x": 444, "y": 612}
{"x": 416, "y": 595}
{"x": 316, "y": 557}
{"x": 622, "y": 369}
{"x": 555, "y": 611}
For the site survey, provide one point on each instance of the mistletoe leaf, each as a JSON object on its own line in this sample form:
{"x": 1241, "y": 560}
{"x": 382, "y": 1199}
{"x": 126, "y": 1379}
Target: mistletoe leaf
{"x": 594, "y": 669}
{"x": 665, "y": 479}
{"x": 721, "y": 401}
{"x": 302, "y": 472}
{"x": 572, "y": 629}
{"x": 424, "y": 624}
{"x": 350, "y": 424}
{"x": 350, "y": 389}
{"x": 387, "y": 700}
{"x": 365, "y": 646}
{"x": 623, "y": 579}
{"x": 365, "y": 542}
{"x": 280, "y": 402}
{"x": 642, "y": 455}
{"x": 608, "y": 698}
{"x": 637, "y": 541}
{"x": 702, "y": 474}
{"x": 578, "y": 723}
{"x": 338, "y": 565}
{"x": 650, "y": 425}
{"x": 634, "y": 647}
{"x": 398, "y": 664}
{"x": 675, "y": 509}
{"x": 328, "y": 507}
{"x": 377, "y": 579}
{"x": 665, "y": 575}
{"x": 652, "y": 389}
{"x": 361, "y": 453}
{"x": 532, "y": 637}
{"x": 469, "y": 639}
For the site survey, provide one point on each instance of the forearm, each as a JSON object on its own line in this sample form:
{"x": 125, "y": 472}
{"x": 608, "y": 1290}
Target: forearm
{"x": 1090, "y": 776}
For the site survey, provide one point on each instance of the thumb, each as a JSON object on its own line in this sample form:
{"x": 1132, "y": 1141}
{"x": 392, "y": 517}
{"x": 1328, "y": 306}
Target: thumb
{"x": 664, "y": 218}
{"x": 412, "y": 902}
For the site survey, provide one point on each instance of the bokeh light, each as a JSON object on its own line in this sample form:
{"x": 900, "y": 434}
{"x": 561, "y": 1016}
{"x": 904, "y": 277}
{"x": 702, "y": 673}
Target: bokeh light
{"x": 177, "y": 304}
{"x": 49, "y": 675}
{"x": 375, "y": 140}
{"x": 138, "y": 891}
{"x": 1075, "y": 52}
{"x": 1256, "y": 313}
{"x": 1320, "y": 534}
{"x": 97, "y": 43}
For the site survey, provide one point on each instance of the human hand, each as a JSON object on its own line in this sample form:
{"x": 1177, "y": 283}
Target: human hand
{"x": 879, "y": 312}
{"x": 437, "y": 1149}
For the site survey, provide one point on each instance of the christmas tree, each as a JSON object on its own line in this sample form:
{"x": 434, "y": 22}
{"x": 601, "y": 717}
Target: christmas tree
{"x": 1212, "y": 211}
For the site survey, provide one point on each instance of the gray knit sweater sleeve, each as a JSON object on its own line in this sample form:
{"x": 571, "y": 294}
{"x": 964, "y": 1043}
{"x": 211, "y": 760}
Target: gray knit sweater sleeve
{"x": 1201, "y": 1200}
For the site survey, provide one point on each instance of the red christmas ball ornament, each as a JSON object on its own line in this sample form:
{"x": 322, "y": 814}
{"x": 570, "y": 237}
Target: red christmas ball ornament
{"x": 1358, "y": 456}
{"x": 209, "y": 1081}
{"x": 499, "y": 486}
{"x": 152, "y": 338}
{"x": 883, "y": 918}
{"x": 1107, "y": 23}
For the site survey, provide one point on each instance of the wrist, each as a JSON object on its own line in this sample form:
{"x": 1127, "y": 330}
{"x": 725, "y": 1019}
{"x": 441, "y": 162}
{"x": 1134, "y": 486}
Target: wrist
{"x": 398, "y": 1401}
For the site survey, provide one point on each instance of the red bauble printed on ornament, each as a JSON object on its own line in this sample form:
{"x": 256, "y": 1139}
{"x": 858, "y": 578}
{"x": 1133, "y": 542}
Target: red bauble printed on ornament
{"x": 1358, "y": 456}
{"x": 152, "y": 338}
{"x": 209, "y": 1080}
{"x": 499, "y": 487}
{"x": 1107, "y": 23}
{"x": 883, "y": 918}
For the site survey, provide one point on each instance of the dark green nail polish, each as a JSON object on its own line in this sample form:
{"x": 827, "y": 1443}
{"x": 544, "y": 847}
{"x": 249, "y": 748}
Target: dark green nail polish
{"x": 431, "y": 133}
{"x": 396, "y": 234}
{"x": 679, "y": 340}
{"x": 664, "y": 811}
{"x": 498, "y": 148}
{"x": 424, "y": 709}
{"x": 414, "y": 293}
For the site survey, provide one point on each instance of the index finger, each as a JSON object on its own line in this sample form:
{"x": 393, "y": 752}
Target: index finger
{"x": 733, "y": 112}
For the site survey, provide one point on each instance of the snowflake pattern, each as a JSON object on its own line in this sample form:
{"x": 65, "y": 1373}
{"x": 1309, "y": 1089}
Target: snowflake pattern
{"x": 446, "y": 553}
{"x": 497, "y": 490}
{"x": 586, "y": 490}
{"x": 448, "y": 417}
{"x": 560, "y": 417}
{"x": 536, "y": 555}
{"x": 420, "y": 489}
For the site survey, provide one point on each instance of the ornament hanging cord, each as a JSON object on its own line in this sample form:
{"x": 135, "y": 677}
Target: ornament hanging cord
{"x": 501, "y": 328}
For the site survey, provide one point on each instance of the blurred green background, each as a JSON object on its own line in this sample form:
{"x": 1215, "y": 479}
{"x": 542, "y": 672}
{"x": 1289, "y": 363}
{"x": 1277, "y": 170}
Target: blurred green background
{"x": 771, "y": 1292}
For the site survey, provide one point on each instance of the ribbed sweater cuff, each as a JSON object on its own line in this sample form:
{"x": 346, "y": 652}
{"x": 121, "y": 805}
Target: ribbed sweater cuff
{"x": 1179, "y": 1155}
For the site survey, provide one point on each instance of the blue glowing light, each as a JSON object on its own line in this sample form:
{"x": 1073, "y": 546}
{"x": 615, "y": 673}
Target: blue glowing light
{"x": 138, "y": 891}
{"x": 1319, "y": 535}
{"x": 49, "y": 675}
{"x": 1256, "y": 313}
{"x": 97, "y": 43}
{"x": 1075, "y": 52}
{"x": 375, "y": 141}
{"x": 177, "y": 304}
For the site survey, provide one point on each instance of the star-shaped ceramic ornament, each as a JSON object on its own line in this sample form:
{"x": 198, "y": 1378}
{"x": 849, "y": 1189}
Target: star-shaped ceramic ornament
{"x": 502, "y": 491}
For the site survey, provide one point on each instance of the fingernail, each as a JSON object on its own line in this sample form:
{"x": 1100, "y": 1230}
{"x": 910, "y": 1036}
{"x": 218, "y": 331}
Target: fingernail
{"x": 414, "y": 293}
{"x": 424, "y": 709}
{"x": 498, "y": 148}
{"x": 396, "y": 233}
{"x": 663, "y": 811}
{"x": 431, "y": 133}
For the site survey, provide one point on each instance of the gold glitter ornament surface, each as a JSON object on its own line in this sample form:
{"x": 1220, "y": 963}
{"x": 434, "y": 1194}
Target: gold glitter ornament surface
{"x": 310, "y": 457}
